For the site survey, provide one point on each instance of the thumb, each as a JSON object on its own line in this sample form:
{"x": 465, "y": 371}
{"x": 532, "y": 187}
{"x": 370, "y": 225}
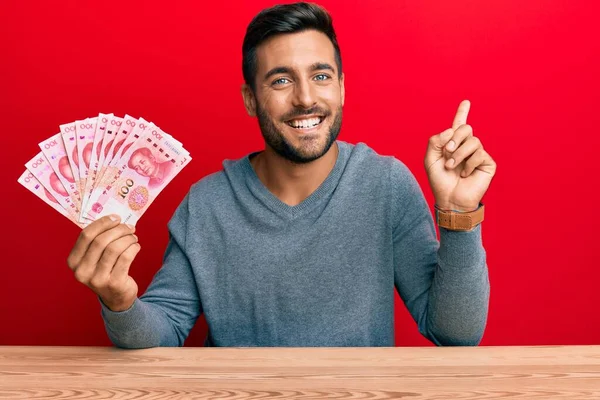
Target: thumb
{"x": 437, "y": 142}
{"x": 435, "y": 149}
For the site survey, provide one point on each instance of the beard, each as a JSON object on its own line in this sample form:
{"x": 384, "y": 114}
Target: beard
{"x": 275, "y": 139}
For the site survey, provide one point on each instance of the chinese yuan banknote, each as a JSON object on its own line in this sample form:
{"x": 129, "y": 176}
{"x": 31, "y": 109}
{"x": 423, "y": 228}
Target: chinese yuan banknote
{"x": 30, "y": 182}
{"x": 103, "y": 165}
{"x": 102, "y": 121}
{"x": 142, "y": 173}
{"x": 70, "y": 142}
{"x": 137, "y": 131}
{"x": 43, "y": 172}
{"x": 127, "y": 125}
{"x": 84, "y": 131}
{"x": 112, "y": 127}
{"x": 54, "y": 150}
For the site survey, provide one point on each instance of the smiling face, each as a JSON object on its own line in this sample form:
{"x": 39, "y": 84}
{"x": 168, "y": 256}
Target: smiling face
{"x": 299, "y": 97}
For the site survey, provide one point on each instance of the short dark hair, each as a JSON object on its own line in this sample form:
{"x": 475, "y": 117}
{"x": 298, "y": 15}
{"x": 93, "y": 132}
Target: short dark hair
{"x": 285, "y": 18}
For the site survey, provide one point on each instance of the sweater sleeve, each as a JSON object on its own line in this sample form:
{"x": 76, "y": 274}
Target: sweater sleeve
{"x": 167, "y": 311}
{"x": 444, "y": 284}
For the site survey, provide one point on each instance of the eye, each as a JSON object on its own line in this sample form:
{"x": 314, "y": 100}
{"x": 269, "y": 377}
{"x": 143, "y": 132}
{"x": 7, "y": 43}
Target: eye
{"x": 280, "y": 81}
{"x": 322, "y": 77}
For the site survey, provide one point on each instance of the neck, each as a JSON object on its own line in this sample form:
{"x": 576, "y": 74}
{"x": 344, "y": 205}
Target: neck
{"x": 292, "y": 183}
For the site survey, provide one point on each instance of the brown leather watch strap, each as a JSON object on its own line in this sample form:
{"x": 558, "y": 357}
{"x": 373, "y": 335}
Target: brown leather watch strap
{"x": 459, "y": 221}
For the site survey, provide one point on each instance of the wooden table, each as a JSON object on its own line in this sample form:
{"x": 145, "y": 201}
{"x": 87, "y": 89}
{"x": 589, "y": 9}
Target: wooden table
{"x": 561, "y": 372}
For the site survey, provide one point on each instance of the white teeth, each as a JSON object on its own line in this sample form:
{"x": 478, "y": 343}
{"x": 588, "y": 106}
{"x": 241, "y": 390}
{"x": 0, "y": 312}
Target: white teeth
{"x": 305, "y": 123}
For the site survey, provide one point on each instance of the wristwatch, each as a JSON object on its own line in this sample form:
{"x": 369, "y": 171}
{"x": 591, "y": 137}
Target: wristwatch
{"x": 457, "y": 220}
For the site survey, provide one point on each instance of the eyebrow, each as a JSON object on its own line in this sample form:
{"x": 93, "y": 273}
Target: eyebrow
{"x": 318, "y": 66}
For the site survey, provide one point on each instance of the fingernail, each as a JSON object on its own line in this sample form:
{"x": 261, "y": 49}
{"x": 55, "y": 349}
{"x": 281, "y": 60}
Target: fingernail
{"x": 130, "y": 226}
{"x": 114, "y": 217}
{"x": 450, "y": 145}
{"x": 450, "y": 163}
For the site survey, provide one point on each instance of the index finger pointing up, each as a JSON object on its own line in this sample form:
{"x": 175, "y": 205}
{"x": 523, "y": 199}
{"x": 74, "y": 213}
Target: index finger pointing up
{"x": 461, "y": 114}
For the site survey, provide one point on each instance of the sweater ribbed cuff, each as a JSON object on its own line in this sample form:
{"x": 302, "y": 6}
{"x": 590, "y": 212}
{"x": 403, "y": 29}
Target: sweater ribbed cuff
{"x": 122, "y": 320}
{"x": 461, "y": 249}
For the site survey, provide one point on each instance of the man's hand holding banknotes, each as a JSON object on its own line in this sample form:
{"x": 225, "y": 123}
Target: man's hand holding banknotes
{"x": 102, "y": 173}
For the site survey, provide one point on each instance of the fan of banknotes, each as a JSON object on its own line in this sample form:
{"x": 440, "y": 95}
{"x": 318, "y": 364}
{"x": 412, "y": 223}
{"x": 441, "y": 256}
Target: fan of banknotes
{"x": 104, "y": 165}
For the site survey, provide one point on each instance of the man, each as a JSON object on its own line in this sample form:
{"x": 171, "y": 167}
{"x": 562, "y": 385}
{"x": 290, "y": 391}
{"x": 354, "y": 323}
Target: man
{"x": 303, "y": 243}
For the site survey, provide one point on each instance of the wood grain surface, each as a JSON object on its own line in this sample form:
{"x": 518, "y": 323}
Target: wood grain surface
{"x": 556, "y": 372}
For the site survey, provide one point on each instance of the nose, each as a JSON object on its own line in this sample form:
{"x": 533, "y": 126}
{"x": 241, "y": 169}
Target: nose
{"x": 304, "y": 95}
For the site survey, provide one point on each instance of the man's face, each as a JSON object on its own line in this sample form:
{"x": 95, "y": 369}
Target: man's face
{"x": 143, "y": 164}
{"x": 299, "y": 98}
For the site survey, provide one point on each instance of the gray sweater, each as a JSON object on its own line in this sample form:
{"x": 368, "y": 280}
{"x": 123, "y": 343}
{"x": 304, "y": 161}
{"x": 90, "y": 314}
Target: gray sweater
{"x": 321, "y": 273}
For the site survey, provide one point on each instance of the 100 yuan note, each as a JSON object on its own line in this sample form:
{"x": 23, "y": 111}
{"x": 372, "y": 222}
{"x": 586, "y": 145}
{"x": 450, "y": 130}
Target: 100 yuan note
{"x": 112, "y": 127}
{"x": 108, "y": 170}
{"x": 84, "y": 133}
{"x": 54, "y": 150}
{"x": 138, "y": 131}
{"x": 70, "y": 141}
{"x": 109, "y": 176}
{"x": 30, "y": 182}
{"x": 143, "y": 172}
{"x": 99, "y": 184}
{"x": 130, "y": 199}
{"x": 129, "y": 123}
{"x": 43, "y": 172}
{"x": 95, "y": 156}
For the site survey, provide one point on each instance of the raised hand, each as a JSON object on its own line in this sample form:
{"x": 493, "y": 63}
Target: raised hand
{"x": 459, "y": 169}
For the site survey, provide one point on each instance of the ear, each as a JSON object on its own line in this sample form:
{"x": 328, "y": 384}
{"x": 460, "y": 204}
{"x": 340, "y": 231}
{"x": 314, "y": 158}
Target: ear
{"x": 249, "y": 100}
{"x": 342, "y": 88}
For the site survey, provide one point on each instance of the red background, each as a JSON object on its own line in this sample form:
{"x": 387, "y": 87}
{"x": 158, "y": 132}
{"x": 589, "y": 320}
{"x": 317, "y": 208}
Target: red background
{"x": 529, "y": 68}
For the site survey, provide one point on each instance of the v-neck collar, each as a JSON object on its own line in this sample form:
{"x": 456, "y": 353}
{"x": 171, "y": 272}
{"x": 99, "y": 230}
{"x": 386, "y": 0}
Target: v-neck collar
{"x": 262, "y": 193}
